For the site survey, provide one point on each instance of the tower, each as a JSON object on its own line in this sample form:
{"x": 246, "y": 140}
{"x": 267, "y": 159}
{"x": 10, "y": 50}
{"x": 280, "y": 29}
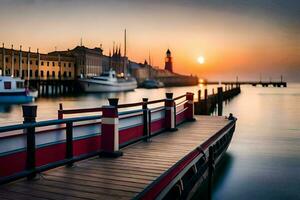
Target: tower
{"x": 168, "y": 61}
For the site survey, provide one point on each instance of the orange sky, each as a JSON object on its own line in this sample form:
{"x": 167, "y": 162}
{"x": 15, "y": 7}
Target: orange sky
{"x": 232, "y": 40}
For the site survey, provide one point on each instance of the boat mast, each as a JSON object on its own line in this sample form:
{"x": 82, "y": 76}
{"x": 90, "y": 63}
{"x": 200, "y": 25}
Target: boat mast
{"x": 125, "y": 54}
{"x": 28, "y": 67}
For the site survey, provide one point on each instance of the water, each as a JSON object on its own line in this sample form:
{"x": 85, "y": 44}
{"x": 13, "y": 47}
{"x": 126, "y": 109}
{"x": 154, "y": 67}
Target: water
{"x": 263, "y": 160}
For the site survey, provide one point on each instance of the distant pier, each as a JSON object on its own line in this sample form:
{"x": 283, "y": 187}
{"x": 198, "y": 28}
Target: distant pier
{"x": 253, "y": 83}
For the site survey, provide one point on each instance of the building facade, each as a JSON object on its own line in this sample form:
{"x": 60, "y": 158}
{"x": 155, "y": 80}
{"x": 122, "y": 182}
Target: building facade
{"x": 88, "y": 61}
{"x": 34, "y": 65}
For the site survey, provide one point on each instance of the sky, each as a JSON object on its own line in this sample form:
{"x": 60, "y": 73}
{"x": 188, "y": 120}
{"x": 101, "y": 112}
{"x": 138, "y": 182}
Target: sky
{"x": 236, "y": 38}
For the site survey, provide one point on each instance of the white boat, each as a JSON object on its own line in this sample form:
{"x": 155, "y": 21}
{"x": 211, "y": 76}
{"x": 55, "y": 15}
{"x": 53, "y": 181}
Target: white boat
{"x": 108, "y": 82}
{"x": 151, "y": 83}
{"x": 12, "y": 91}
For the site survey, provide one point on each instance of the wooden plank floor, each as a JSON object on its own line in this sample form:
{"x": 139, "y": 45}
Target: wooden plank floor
{"x": 117, "y": 178}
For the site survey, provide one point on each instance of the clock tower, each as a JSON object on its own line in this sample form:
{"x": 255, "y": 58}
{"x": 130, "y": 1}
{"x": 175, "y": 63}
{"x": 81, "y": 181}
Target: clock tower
{"x": 168, "y": 61}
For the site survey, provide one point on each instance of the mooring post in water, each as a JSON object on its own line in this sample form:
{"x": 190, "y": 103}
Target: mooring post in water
{"x": 211, "y": 168}
{"x": 146, "y": 120}
{"x": 205, "y": 102}
{"x": 29, "y": 115}
{"x": 60, "y": 114}
{"x": 199, "y": 95}
{"x": 110, "y": 129}
{"x": 220, "y": 101}
{"x": 170, "y": 112}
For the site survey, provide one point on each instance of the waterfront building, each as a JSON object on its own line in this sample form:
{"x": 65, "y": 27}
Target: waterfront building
{"x": 88, "y": 61}
{"x": 35, "y": 65}
{"x": 116, "y": 62}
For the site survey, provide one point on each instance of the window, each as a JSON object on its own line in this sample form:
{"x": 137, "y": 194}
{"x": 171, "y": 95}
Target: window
{"x": 7, "y": 85}
{"x": 36, "y": 73}
{"x": 59, "y": 74}
{"x": 30, "y": 73}
{"x": 6, "y": 59}
{"x": 42, "y": 73}
{"x": 17, "y": 73}
{"x": 20, "y": 84}
{"x": 53, "y": 64}
{"x": 53, "y": 74}
{"x": 48, "y": 74}
{"x": 30, "y": 62}
{"x": 70, "y": 65}
{"x": 70, "y": 74}
{"x": 65, "y": 74}
{"x": 23, "y": 61}
{"x": 23, "y": 73}
{"x": 15, "y": 60}
{"x": 64, "y": 64}
{"x": 48, "y": 64}
{"x": 36, "y": 62}
{"x": 42, "y": 63}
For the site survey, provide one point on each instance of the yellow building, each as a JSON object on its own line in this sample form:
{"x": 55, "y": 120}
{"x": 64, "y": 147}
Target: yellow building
{"x": 26, "y": 64}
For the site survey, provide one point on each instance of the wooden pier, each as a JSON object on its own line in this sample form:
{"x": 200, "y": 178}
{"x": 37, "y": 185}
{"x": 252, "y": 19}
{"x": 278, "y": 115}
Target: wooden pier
{"x": 208, "y": 104}
{"x": 253, "y": 83}
{"x": 157, "y": 152}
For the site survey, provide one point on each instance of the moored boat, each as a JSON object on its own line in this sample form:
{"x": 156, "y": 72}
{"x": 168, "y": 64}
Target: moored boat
{"x": 13, "y": 91}
{"x": 151, "y": 83}
{"x": 108, "y": 82}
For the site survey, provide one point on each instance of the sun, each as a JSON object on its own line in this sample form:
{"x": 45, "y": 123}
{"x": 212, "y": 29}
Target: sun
{"x": 201, "y": 60}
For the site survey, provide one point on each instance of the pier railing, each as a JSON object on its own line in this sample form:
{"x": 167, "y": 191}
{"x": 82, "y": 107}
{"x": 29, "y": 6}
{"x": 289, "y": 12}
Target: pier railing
{"x": 32, "y": 147}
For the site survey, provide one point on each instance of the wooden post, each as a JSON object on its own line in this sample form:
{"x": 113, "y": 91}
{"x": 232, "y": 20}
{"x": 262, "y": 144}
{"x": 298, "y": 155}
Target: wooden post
{"x": 146, "y": 120}
{"x": 190, "y": 106}
{"x": 69, "y": 143}
{"x": 220, "y": 101}
{"x": 205, "y": 102}
{"x": 60, "y": 114}
{"x": 110, "y": 129}
{"x": 199, "y": 95}
{"x": 170, "y": 112}
{"x": 29, "y": 115}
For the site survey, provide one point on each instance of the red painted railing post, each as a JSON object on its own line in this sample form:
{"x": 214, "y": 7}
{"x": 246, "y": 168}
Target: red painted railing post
{"x": 60, "y": 114}
{"x": 170, "y": 115}
{"x": 190, "y": 106}
{"x": 110, "y": 130}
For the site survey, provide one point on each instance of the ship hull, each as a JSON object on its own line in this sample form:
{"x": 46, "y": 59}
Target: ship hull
{"x": 101, "y": 86}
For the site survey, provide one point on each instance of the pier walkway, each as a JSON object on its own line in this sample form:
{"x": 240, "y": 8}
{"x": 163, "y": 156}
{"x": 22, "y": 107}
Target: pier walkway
{"x": 124, "y": 177}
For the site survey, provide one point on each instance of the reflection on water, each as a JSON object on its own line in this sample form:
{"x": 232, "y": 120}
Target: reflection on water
{"x": 265, "y": 149}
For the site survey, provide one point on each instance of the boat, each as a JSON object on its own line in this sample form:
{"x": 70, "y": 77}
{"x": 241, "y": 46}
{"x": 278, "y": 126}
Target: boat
{"x": 151, "y": 83}
{"x": 13, "y": 91}
{"x": 108, "y": 82}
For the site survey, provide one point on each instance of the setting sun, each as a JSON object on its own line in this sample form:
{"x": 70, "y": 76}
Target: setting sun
{"x": 201, "y": 60}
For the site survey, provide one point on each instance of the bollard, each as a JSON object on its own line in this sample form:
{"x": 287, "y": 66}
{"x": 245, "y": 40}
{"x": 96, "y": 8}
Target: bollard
{"x": 170, "y": 115}
{"x": 220, "y": 101}
{"x": 190, "y": 106}
{"x": 110, "y": 130}
{"x": 29, "y": 115}
{"x": 146, "y": 120}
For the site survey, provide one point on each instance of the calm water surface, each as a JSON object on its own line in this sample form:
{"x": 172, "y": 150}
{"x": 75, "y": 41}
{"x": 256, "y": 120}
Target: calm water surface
{"x": 263, "y": 160}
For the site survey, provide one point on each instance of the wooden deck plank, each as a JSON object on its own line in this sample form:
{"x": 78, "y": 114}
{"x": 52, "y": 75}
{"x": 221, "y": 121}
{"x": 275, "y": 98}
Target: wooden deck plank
{"x": 117, "y": 178}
